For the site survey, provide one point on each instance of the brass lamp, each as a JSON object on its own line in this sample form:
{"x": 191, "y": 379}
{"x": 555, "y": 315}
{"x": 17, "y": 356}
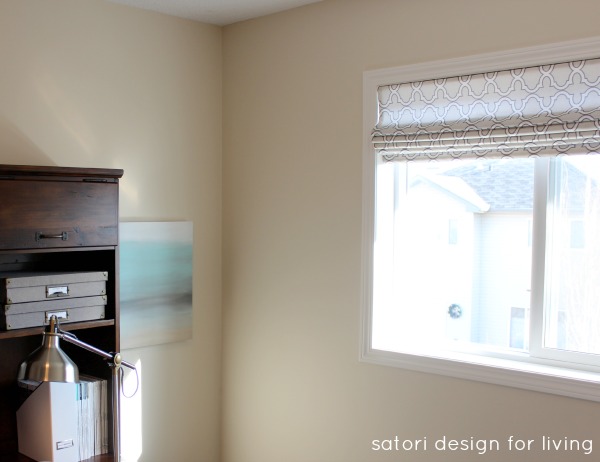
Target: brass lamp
{"x": 49, "y": 363}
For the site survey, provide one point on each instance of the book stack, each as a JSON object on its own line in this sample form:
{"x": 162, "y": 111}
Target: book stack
{"x": 92, "y": 417}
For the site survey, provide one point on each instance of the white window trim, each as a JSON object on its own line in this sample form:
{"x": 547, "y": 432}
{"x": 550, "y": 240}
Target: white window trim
{"x": 548, "y": 377}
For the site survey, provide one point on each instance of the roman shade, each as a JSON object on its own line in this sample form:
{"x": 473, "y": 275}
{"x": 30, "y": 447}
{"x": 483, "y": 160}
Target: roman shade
{"x": 543, "y": 110}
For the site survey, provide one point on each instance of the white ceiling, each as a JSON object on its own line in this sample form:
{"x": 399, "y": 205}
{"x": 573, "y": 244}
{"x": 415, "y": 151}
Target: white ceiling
{"x": 220, "y": 12}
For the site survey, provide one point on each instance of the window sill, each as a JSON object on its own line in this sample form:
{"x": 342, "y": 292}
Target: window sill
{"x": 529, "y": 376}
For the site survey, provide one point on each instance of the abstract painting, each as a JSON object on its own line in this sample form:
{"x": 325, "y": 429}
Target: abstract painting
{"x": 156, "y": 282}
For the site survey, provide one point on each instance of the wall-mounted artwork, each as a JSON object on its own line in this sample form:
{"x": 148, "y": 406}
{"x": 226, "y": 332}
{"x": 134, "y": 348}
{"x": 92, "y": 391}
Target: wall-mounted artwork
{"x": 156, "y": 282}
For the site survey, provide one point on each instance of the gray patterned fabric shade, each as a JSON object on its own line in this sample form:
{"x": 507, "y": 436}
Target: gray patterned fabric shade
{"x": 545, "y": 110}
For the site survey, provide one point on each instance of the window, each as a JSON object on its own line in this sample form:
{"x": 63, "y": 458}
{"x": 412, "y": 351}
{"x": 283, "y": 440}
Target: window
{"x": 518, "y": 328}
{"x": 483, "y": 262}
{"x": 420, "y": 274}
{"x": 577, "y": 234}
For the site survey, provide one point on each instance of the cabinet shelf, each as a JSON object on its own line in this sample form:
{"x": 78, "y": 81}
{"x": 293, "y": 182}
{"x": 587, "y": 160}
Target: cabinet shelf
{"x": 22, "y": 458}
{"x": 57, "y": 219}
{"x": 27, "y": 332}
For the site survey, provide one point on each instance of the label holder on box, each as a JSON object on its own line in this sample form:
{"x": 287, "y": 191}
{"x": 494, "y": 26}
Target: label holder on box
{"x": 57, "y": 291}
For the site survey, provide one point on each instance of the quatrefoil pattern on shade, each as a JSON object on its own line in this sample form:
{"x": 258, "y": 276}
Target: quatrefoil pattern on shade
{"x": 543, "y": 110}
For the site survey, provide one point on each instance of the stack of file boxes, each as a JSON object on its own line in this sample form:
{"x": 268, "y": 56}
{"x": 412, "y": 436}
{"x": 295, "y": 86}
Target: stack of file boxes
{"x": 29, "y": 299}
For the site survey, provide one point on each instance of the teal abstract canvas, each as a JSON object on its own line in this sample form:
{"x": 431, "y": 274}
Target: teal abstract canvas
{"x": 156, "y": 282}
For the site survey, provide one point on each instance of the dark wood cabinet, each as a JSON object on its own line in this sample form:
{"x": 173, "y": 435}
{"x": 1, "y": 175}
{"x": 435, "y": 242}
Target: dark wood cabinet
{"x": 57, "y": 219}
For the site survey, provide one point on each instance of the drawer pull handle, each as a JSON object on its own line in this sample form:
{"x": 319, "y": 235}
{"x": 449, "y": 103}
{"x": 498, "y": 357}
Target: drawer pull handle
{"x": 39, "y": 236}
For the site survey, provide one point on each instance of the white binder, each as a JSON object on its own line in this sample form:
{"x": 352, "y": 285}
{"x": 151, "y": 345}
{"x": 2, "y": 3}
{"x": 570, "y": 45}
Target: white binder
{"x": 47, "y": 423}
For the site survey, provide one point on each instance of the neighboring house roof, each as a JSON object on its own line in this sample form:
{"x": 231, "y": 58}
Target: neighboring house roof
{"x": 507, "y": 185}
{"x": 459, "y": 189}
{"x": 504, "y": 184}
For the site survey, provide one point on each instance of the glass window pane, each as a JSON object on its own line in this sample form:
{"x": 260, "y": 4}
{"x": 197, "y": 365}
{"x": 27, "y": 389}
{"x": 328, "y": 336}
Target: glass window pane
{"x": 572, "y": 317}
{"x": 461, "y": 256}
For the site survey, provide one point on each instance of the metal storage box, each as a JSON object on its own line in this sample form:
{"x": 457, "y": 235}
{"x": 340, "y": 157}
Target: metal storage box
{"x": 29, "y": 299}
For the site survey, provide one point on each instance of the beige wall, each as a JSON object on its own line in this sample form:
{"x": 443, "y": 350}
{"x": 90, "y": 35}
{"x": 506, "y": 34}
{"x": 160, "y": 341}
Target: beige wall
{"x": 89, "y": 83}
{"x": 294, "y": 389}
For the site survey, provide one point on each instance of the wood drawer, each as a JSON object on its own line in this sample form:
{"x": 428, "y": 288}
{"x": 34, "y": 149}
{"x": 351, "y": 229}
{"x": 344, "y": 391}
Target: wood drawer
{"x": 53, "y": 213}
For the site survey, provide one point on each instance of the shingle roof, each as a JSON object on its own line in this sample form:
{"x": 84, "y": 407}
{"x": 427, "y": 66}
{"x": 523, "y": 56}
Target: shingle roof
{"x": 507, "y": 185}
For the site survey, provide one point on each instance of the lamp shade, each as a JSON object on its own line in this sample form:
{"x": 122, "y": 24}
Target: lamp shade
{"x": 49, "y": 363}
